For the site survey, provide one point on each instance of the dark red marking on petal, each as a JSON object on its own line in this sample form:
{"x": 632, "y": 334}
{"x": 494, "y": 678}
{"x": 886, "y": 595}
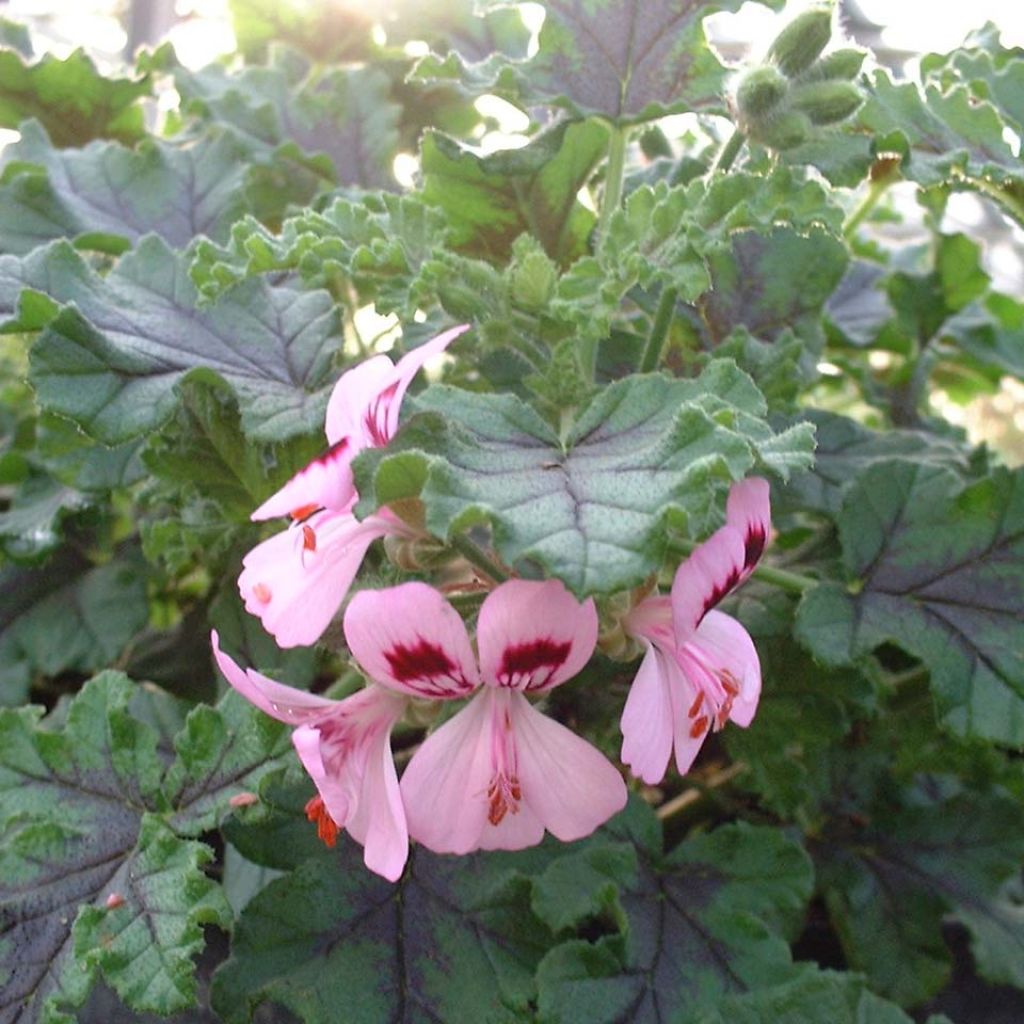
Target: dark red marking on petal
{"x": 428, "y": 664}
{"x": 375, "y": 419}
{"x": 721, "y": 590}
{"x": 326, "y": 827}
{"x": 525, "y": 659}
{"x": 753, "y": 546}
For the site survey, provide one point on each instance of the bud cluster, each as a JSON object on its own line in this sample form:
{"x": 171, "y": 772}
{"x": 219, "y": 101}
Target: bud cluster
{"x": 781, "y": 101}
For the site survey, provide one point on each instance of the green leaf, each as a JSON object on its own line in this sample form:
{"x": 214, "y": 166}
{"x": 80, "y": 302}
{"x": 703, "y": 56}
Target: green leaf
{"x": 221, "y": 751}
{"x": 145, "y": 947}
{"x": 891, "y": 873}
{"x": 590, "y": 509}
{"x": 621, "y": 59}
{"x": 112, "y": 357}
{"x": 31, "y": 525}
{"x": 489, "y": 201}
{"x": 810, "y": 998}
{"x": 845, "y": 449}
{"x": 71, "y": 98}
{"x": 107, "y": 196}
{"x": 701, "y": 923}
{"x": 379, "y": 244}
{"x": 453, "y": 941}
{"x": 320, "y": 29}
{"x": 767, "y": 282}
{"x": 67, "y": 616}
{"x": 933, "y": 568}
{"x": 344, "y": 115}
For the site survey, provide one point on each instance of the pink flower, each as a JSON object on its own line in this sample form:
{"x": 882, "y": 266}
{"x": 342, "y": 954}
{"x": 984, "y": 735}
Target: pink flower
{"x": 295, "y": 581}
{"x": 701, "y": 669}
{"x": 346, "y": 748}
{"x": 498, "y": 773}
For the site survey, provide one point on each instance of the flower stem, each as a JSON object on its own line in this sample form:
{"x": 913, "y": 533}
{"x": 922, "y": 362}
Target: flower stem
{"x": 691, "y": 796}
{"x": 795, "y": 583}
{"x": 875, "y": 191}
{"x": 478, "y": 558}
{"x": 659, "y": 330}
{"x": 728, "y": 153}
{"x": 615, "y": 172}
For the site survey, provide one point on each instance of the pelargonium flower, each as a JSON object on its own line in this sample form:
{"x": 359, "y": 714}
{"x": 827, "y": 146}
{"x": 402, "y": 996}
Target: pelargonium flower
{"x": 701, "y": 669}
{"x": 500, "y": 772}
{"x": 295, "y": 581}
{"x": 346, "y": 748}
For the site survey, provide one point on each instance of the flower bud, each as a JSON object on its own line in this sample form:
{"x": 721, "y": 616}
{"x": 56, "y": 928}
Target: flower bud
{"x": 827, "y": 102}
{"x": 760, "y": 90}
{"x": 839, "y": 65}
{"x": 800, "y": 43}
{"x": 414, "y": 554}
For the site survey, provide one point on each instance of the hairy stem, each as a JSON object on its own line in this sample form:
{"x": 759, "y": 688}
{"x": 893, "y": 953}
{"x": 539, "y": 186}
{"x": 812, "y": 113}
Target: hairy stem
{"x": 729, "y": 151}
{"x": 478, "y": 558}
{"x": 875, "y": 191}
{"x": 659, "y": 330}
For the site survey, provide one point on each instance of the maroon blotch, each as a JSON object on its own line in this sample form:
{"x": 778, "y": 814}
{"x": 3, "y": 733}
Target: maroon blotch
{"x": 424, "y": 660}
{"x": 753, "y": 546}
{"x": 525, "y": 659}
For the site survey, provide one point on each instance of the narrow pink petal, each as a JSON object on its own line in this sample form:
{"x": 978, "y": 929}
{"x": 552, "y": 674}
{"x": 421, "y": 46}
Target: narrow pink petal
{"x": 409, "y": 365}
{"x": 726, "y": 645}
{"x": 325, "y": 483}
{"x": 444, "y": 787}
{"x": 534, "y": 635}
{"x": 749, "y": 512}
{"x": 334, "y": 788}
{"x": 689, "y": 733}
{"x": 295, "y": 581}
{"x": 651, "y": 619}
{"x": 648, "y": 716}
{"x": 379, "y": 822}
{"x": 410, "y": 638}
{"x": 707, "y": 576}
{"x": 284, "y": 703}
{"x": 570, "y": 785}
{"x": 352, "y": 397}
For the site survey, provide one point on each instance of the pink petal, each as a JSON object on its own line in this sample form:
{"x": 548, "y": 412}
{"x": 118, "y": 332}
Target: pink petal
{"x": 570, "y": 785}
{"x": 410, "y": 638}
{"x": 337, "y": 795}
{"x": 534, "y": 635}
{"x": 648, "y": 717}
{"x": 749, "y": 512}
{"x": 379, "y": 821}
{"x": 352, "y": 397}
{"x": 366, "y": 401}
{"x": 690, "y": 732}
{"x": 295, "y": 589}
{"x": 284, "y": 703}
{"x": 444, "y": 787}
{"x": 651, "y": 619}
{"x": 325, "y": 483}
{"x": 727, "y": 646}
{"x": 708, "y": 575}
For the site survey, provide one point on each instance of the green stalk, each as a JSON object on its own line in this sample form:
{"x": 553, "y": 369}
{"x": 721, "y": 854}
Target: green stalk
{"x": 728, "y": 153}
{"x": 659, "y": 331}
{"x": 794, "y": 582}
{"x": 876, "y": 190}
{"x": 614, "y": 175}
{"x": 475, "y": 556}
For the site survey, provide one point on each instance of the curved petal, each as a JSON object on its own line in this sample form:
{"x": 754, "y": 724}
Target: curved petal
{"x": 379, "y": 822}
{"x": 411, "y": 639}
{"x": 648, "y": 717}
{"x": 444, "y": 787}
{"x": 690, "y": 732}
{"x": 295, "y": 581}
{"x": 727, "y": 646}
{"x": 409, "y": 365}
{"x": 570, "y": 785}
{"x": 748, "y": 511}
{"x": 284, "y": 703}
{"x": 534, "y": 635}
{"x": 325, "y": 483}
{"x": 332, "y": 787}
{"x": 710, "y": 573}
{"x": 357, "y": 389}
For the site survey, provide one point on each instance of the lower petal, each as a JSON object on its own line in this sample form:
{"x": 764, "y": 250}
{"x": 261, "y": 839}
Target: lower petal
{"x": 647, "y": 719}
{"x": 444, "y": 787}
{"x": 570, "y": 785}
{"x": 294, "y": 590}
{"x": 379, "y": 823}
{"x": 726, "y": 645}
{"x": 331, "y": 787}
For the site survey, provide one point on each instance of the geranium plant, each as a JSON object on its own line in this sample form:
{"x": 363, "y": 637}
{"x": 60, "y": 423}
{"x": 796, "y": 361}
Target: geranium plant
{"x": 456, "y": 578}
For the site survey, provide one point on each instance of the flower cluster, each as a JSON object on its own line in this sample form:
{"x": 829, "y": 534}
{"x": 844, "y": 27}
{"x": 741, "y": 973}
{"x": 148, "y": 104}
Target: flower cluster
{"x": 499, "y": 772}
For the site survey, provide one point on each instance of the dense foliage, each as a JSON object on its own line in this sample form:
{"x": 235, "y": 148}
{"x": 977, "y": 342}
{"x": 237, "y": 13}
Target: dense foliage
{"x": 655, "y": 313}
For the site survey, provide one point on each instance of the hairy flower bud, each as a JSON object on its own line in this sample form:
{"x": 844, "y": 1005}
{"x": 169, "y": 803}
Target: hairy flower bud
{"x": 790, "y": 130}
{"x": 800, "y": 43}
{"x": 839, "y": 65}
{"x": 827, "y": 102}
{"x": 759, "y": 92}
